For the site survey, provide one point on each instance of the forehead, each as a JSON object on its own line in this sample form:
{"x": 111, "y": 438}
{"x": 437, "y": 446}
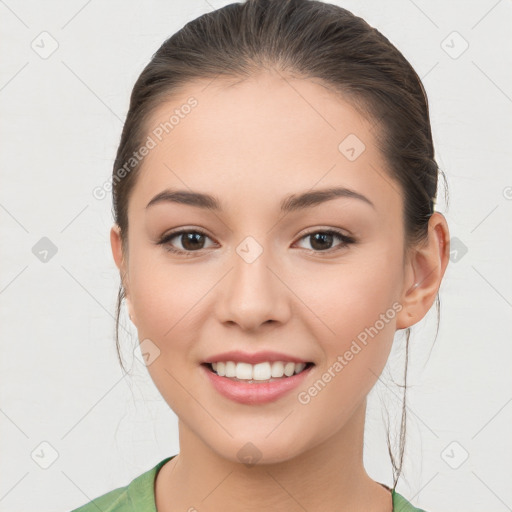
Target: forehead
{"x": 265, "y": 137}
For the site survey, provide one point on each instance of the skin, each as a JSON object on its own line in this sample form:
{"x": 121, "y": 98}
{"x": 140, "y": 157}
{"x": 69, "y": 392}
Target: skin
{"x": 252, "y": 144}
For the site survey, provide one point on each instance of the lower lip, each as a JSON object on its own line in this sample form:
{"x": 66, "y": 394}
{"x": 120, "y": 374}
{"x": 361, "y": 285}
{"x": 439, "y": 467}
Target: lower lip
{"x": 245, "y": 393}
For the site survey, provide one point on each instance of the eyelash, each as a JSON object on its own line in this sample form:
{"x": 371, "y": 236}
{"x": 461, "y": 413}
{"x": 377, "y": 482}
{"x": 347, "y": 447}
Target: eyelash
{"x": 164, "y": 240}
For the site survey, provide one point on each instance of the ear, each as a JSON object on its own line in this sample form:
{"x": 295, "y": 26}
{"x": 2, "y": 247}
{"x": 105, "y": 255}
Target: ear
{"x": 424, "y": 270}
{"x": 120, "y": 261}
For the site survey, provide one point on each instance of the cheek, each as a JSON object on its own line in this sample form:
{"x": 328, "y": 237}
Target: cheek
{"x": 164, "y": 299}
{"x": 354, "y": 305}
{"x": 354, "y": 324}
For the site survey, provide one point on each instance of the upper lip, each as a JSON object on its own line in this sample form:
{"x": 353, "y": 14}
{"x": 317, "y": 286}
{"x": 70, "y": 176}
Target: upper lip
{"x": 257, "y": 357}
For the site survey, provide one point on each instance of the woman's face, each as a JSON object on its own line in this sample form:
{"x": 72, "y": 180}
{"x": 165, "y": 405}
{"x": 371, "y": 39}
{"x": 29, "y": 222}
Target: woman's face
{"x": 262, "y": 278}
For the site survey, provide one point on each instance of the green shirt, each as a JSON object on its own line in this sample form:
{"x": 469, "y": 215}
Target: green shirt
{"x": 139, "y": 496}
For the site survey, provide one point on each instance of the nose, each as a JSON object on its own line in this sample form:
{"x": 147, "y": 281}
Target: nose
{"x": 254, "y": 292}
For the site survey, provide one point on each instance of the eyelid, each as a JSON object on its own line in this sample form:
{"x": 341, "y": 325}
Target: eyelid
{"x": 324, "y": 229}
{"x": 183, "y": 229}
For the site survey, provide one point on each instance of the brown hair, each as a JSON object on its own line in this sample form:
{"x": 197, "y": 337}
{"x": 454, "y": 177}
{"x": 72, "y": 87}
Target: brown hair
{"x": 308, "y": 39}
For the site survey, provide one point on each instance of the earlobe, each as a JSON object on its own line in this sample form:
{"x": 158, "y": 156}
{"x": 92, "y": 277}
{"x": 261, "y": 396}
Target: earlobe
{"x": 424, "y": 272}
{"x": 119, "y": 259}
{"x": 130, "y": 311}
{"x": 116, "y": 245}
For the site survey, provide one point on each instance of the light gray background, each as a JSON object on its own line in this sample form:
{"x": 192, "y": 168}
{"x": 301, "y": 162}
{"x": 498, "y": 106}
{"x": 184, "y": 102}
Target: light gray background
{"x": 61, "y": 119}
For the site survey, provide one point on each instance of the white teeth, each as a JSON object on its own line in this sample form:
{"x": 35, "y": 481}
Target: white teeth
{"x": 230, "y": 369}
{"x": 244, "y": 371}
{"x": 260, "y": 371}
{"x": 289, "y": 368}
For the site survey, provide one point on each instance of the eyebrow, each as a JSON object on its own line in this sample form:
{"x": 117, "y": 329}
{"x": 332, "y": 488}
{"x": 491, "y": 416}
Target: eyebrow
{"x": 290, "y": 203}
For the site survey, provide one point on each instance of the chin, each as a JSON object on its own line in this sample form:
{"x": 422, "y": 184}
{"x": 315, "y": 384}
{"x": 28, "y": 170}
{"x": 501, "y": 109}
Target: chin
{"x": 258, "y": 450}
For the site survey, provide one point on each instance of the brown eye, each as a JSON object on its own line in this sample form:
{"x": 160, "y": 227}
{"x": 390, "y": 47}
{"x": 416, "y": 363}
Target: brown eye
{"x": 190, "y": 241}
{"x": 321, "y": 241}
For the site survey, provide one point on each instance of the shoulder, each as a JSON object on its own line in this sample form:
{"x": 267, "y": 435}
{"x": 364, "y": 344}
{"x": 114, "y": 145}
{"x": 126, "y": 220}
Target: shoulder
{"x": 400, "y": 504}
{"x": 116, "y": 500}
{"x": 137, "y": 496}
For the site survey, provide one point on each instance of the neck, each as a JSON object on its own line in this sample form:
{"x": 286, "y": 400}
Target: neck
{"x": 329, "y": 476}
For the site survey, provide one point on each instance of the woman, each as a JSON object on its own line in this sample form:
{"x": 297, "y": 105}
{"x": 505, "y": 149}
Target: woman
{"x": 274, "y": 193}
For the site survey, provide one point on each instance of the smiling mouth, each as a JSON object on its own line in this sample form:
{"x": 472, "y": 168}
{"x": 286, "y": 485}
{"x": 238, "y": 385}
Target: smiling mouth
{"x": 259, "y": 373}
